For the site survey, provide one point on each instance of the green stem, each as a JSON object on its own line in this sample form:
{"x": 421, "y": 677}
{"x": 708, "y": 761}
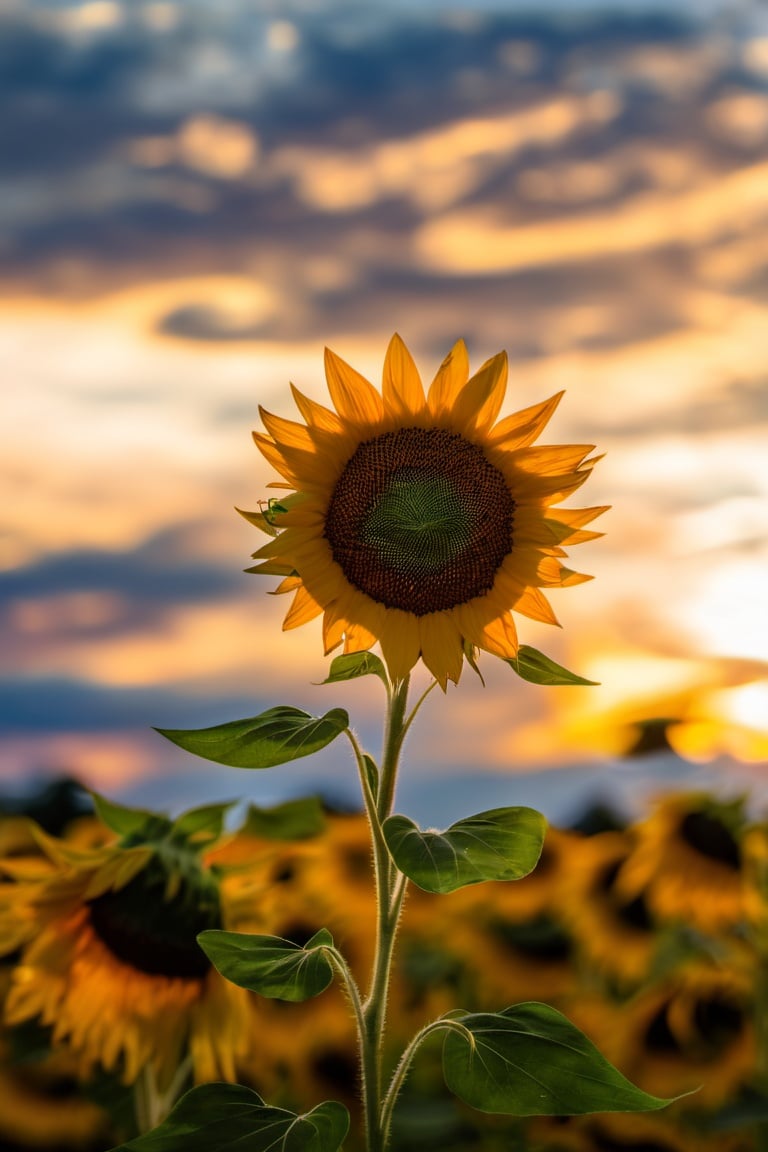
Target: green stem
{"x": 150, "y": 1104}
{"x": 401, "y": 1071}
{"x": 350, "y": 986}
{"x": 394, "y": 735}
{"x": 391, "y": 885}
{"x": 390, "y": 892}
{"x": 418, "y": 705}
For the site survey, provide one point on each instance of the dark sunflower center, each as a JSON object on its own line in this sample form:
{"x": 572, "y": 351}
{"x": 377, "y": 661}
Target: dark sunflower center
{"x": 634, "y": 912}
{"x": 709, "y": 836}
{"x": 154, "y": 935}
{"x": 420, "y": 520}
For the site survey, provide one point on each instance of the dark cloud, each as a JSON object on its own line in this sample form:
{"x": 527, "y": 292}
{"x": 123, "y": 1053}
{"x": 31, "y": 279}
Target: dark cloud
{"x": 738, "y": 404}
{"x": 46, "y": 705}
{"x": 155, "y": 574}
{"x": 63, "y": 106}
{"x": 69, "y": 105}
{"x": 354, "y": 79}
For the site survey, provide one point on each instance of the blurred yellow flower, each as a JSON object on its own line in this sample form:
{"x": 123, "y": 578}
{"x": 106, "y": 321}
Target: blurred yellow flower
{"x": 687, "y": 862}
{"x": 615, "y": 932}
{"x": 41, "y": 1106}
{"x": 109, "y": 960}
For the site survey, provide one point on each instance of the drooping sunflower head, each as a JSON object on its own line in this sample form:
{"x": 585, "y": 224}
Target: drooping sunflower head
{"x": 108, "y": 958}
{"x": 416, "y": 520}
{"x": 688, "y": 862}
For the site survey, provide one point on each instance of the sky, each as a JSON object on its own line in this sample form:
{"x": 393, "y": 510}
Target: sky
{"x": 195, "y": 199}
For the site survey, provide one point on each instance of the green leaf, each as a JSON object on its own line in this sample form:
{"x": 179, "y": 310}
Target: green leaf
{"x": 276, "y": 736}
{"x": 530, "y": 1060}
{"x": 230, "y": 1118}
{"x": 201, "y": 824}
{"x": 293, "y": 820}
{"x": 537, "y": 668}
{"x": 356, "y": 664}
{"x": 130, "y": 821}
{"x": 502, "y": 844}
{"x": 269, "y": 965}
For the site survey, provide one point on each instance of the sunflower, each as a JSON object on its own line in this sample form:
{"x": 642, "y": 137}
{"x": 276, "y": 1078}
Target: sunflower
{"x": 108, "y": 959}
{"x": 691, "y": 1030}
{"x": 416, "y": 520}
{"x": 687, "y": 862}
{"x": 615, "y": 933}
{"x": 754, "y": 848}
{"x": 41, "y": 1104}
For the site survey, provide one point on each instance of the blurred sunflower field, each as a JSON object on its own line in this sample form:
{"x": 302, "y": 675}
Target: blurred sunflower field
{"x": 652, "y": 937}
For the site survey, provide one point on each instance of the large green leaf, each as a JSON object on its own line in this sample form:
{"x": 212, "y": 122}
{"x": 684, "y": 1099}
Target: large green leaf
{"x": 354, "y": 664}
{"x": 530, "y": 1060}
{"x": 269, "y": 965}
{"x": 502, "y": 844}
{"x": 230, "y": 1118}
{"x": 276, "y": 736}
{"x": 534, "y": 666}
{"x": 292, "y": 820}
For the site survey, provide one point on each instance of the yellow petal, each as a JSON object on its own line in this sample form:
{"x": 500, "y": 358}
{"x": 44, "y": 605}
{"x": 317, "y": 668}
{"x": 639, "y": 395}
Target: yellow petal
{"x": 316, "y": 414}
{"x": 500, "y": 637}
{"x": 529, "y": 488}
{"x": 479, "y": 401}
{"x": 354, "y": 397}
{"x": 488, "y": 627}
{"x": 309, "y": 516}
{"x": 400, "y": 645}
{"x": 523, "y": 427}
{"x": 578, "y": 517}
{"x": 365, "y": 621}
{"x": 358, "y": 638}
{"x": 441, "y": 647}
{"x": 550, "y": 573}
{"x": 334, "y": 626}
{"x": 303, "y": 609}
{"x": 525, "y": 599}
{"x": 283, "y": 547}
{"x": 582, "y": 537}
{"x": 273, "y": 455}
{"x": 323, "y": 578}
{"x": 450, "y": 379}
{"x": 289, "y": 584}
{"x": 547, "y": 573}
{"x": 402, "y": 389}
{"x": 570, "y": 578}
{"x": 287, "y": 433}
{"x": 561, "y": 525}
{"x": 551, "y": 459}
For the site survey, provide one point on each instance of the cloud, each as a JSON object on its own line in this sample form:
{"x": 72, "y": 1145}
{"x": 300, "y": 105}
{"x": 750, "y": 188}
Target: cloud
{"x": 211, "y": 147}
{"x": 738, "y": 403}
{"x": 153, "y": 573}
{"x": 63, "y": 705}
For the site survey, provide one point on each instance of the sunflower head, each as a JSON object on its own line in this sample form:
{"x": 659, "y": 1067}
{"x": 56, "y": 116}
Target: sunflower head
{"x": 108, "y": 956}
{"x": 414, "y": 518}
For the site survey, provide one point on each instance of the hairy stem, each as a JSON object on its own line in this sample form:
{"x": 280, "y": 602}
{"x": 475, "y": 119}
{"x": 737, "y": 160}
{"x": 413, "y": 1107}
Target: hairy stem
{"x": 400, "y": 1073}
{"x": 390, "y": 892}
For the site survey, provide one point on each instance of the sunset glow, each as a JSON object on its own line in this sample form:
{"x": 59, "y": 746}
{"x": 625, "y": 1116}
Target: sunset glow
{"x": 591, "y": 200}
